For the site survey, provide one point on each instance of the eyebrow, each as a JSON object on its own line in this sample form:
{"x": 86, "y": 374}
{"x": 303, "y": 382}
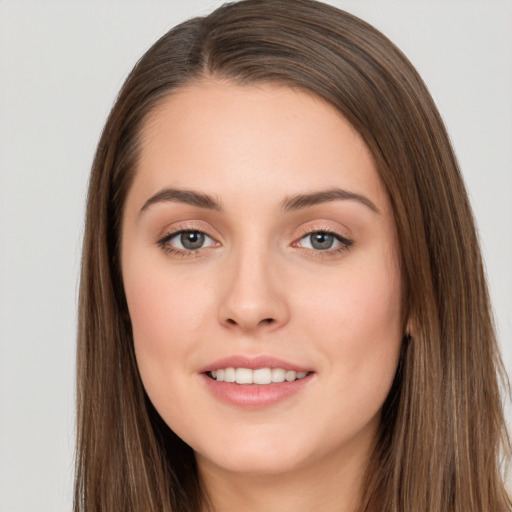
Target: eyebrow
{"x": 175, "y": 195}
{"x": 300, "y": 201}
{"x": 295, "y": 202}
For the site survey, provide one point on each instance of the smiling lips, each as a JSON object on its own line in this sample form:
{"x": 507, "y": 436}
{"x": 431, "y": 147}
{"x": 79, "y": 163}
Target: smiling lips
{"x": 254, "y": 382}
{"x": 260, "y": 376}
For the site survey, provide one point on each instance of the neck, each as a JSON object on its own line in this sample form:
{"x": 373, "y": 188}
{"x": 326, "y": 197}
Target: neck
{"x": 332, "y": 484}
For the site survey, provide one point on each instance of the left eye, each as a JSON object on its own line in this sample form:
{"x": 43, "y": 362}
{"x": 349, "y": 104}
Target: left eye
{"x": 323, "y": 241}
{"x": 189, "y": 240}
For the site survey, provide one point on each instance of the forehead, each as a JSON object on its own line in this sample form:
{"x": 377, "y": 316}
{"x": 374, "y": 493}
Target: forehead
{"x": 255, "y": 139}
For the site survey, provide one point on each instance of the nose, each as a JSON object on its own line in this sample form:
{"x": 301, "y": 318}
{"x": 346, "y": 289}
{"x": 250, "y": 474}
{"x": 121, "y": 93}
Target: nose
{"x": 253, "y": 297}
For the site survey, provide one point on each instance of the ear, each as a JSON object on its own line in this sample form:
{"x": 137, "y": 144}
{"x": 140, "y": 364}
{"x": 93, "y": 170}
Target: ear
{"x": 409, "y": 328}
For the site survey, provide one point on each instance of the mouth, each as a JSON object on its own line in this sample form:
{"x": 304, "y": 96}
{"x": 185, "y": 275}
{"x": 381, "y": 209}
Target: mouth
{"x": 258, "y": 376}
{"x": 255, "y": 382}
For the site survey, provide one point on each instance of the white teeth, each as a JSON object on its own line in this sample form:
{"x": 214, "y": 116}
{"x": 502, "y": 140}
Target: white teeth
{"x": 229, "y": 375}
{"x": 258, "y": 376}
{"x": 243, "y": 376}
{"x": 290, "y": 375}
{"x": 278, "y": 375}
{"x": 262, "y": 376}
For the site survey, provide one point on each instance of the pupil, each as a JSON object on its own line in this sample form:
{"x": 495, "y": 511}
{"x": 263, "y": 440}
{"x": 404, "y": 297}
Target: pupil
{"x": 192, "y": 240}
{"x": 322, "y": 241}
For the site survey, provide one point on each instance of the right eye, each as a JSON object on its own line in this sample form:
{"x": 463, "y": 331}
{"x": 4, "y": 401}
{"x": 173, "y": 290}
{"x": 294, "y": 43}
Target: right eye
{"x": 186, "y": 241}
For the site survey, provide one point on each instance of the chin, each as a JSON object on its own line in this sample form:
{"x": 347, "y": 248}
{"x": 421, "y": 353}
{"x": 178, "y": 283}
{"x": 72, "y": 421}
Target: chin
{"x": 255, "y": 464}
{"x": 260, "y": 455}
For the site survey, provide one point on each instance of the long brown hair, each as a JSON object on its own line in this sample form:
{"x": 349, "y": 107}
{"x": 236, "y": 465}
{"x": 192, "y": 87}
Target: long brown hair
{"x": 442, "y": 436}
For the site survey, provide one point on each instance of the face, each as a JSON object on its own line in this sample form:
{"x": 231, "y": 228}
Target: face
{"x": 260, "y": 268}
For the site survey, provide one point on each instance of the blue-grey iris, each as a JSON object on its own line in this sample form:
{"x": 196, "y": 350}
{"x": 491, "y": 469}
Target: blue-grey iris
{"x": 192, "y": 240}
{"x": 321, "y": 241}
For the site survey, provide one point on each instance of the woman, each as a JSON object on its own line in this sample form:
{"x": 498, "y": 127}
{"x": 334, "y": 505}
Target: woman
{"x": 282, "y": 301}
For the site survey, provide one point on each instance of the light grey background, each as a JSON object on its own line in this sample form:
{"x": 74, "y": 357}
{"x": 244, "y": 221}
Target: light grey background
{"x": 61, "y": 65}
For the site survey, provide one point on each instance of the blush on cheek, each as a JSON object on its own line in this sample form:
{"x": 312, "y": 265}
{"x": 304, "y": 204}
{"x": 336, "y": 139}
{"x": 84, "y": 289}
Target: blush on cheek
{"x": 366, "y": 320}
{"x": 166, "y": 312}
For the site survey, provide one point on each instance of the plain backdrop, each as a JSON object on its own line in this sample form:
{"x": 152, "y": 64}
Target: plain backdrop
{"x": 61, "y": 65}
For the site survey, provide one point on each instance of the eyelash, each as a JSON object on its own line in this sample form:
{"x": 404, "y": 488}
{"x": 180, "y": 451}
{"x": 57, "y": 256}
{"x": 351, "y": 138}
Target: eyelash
{"x": 168, "y": 248}
{"x": 345, "y": 243}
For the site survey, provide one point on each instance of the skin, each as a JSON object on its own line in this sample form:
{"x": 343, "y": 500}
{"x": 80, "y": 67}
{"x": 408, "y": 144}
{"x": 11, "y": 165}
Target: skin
{"x": 258, "y": 286}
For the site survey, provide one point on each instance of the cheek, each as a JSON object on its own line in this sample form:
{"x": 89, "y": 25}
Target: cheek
{"x": 357, "y": 320}
{"x": 167, "y": 313}
{"x": 359, "y": 330}
{"x": 162, "y": 305}
{"x": 356, "y": 303}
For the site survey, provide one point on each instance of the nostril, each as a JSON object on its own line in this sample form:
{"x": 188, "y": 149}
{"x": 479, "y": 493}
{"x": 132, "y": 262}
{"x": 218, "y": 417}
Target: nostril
{"x": 263, "y": 321}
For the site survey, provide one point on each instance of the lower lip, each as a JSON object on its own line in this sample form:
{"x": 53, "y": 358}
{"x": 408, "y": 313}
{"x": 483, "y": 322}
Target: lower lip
{"x": 253, "y": 396}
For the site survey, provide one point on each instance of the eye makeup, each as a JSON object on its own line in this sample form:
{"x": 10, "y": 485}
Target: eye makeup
{"x": 191, "y": 241}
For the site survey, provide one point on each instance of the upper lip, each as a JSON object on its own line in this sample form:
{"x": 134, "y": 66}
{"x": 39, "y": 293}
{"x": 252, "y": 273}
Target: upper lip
{"x": 253, "y": 363}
